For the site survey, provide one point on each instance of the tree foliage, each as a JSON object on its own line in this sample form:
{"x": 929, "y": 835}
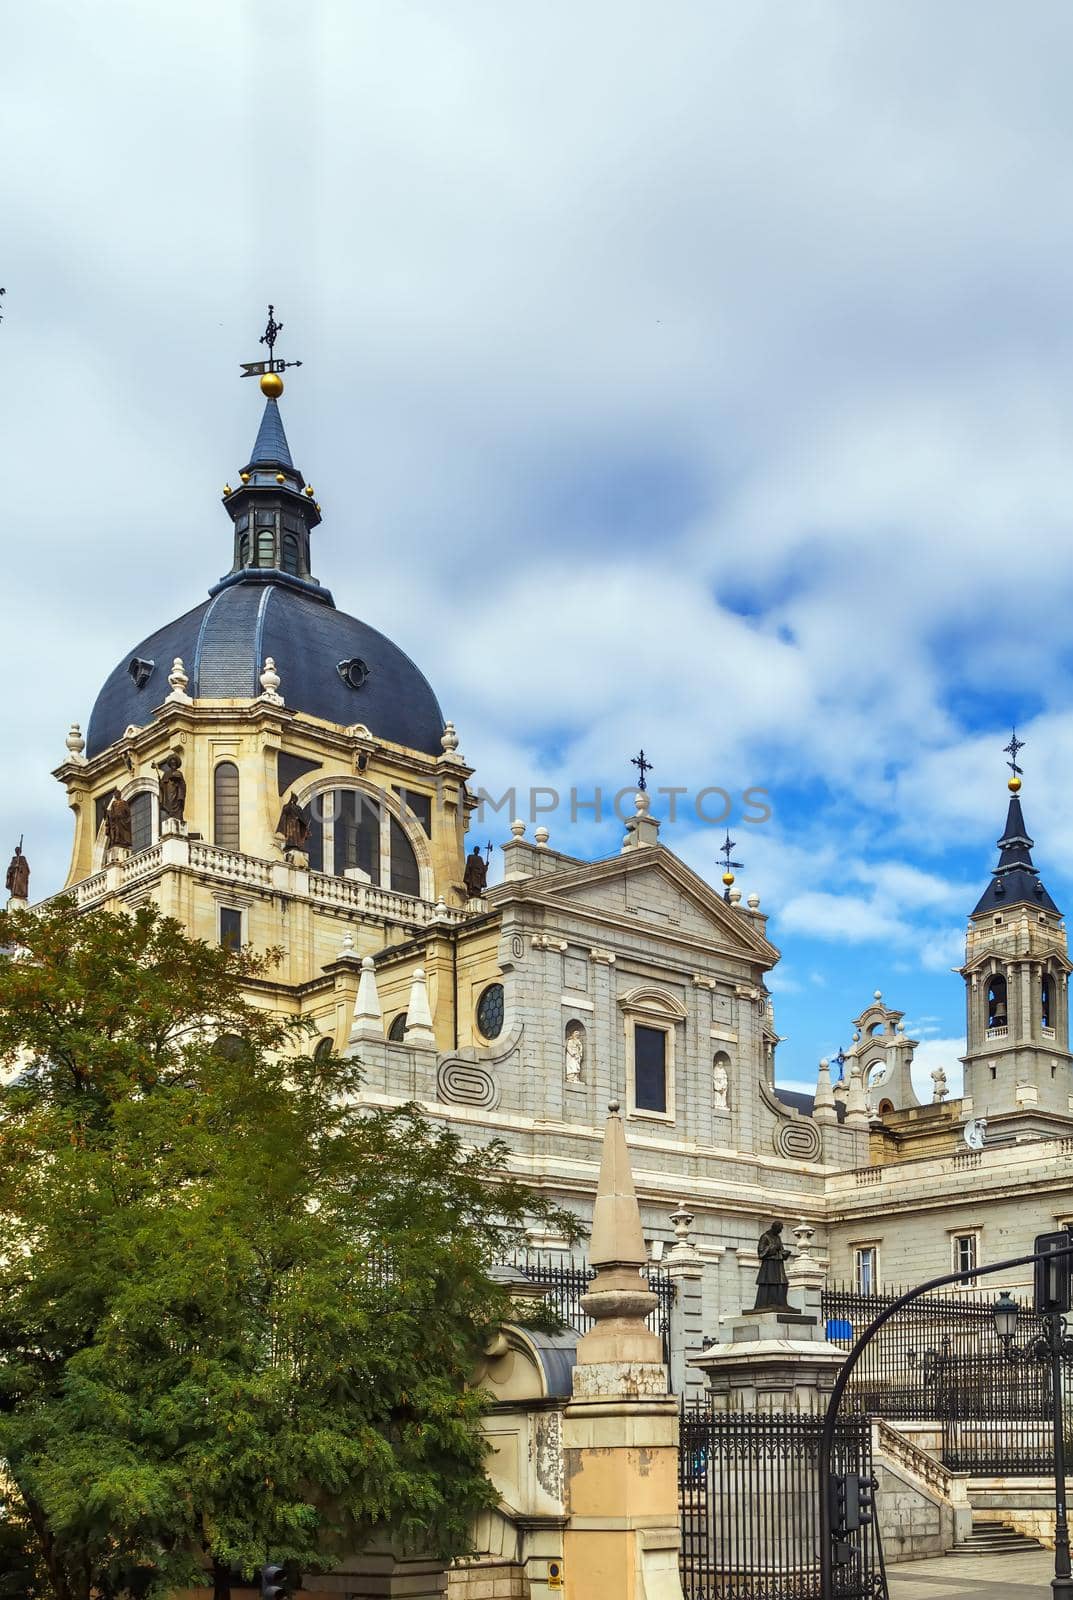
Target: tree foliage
{"x": 238, "y": 1310}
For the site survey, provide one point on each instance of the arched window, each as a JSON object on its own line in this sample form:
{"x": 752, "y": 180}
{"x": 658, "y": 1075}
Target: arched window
{"x": 996, "y": 1002}
{"x": 1045, "y": 1002}
{"x": 405, "y": 877}
{"x": 290, "y": 553}
{"x": 266, "y": 547}
{"x": 225, "y": 823}
{"x": 397, "y": 1032}
{"x": 323, "y": 1050}
{"x": 141, "y": 822}
{"x": 357, "y": 834}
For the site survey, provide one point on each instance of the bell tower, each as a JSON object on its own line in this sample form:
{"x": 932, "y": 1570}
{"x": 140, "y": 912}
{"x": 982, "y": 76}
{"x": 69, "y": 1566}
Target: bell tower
{"x": 1018, "y": 1063}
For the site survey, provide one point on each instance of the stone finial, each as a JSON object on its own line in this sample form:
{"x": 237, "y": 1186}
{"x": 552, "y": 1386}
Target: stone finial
{"x": 753, "y": 901}
{"x": 346, "y": 947}
{"x": 878, "y": 995}
{"x": 619, "y": 1301}
{"x": 734, "y": 896}
{"x": 368, "y": 1020}
{"x": 517, "y": 828}
{"x": 542, "y": 835}
{"x": 804, "y": 1234}
{"x": 178, "y": 679}
{"x": 641, "y": 803}
{"x": 449, "y": 741}
{"x": 682, "y": 1222}
{"x": 75, "y": 744}
{"x": 418, "y": 1014}
{"x": 440, "y": 912}
{"x": 270, "y": 682}
{"x": 823, "y": 1107}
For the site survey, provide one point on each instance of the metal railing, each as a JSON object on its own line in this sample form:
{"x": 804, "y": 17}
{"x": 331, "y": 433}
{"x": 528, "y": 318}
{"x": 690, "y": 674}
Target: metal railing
{"x": 565, "y": 1280}
{"x": 748, "y": 1496}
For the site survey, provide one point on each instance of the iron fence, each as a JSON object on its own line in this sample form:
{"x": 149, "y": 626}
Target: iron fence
{"x": 940, "y": 1361}
{"x": 564, "y": 1282}
{"x": 749, "y": 1505}
{"x": 939, "y": 1356}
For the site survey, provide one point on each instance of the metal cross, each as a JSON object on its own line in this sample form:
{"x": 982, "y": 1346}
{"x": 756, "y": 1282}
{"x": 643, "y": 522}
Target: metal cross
{"x": 272, "y": 332}
{"x": 488, "y": 853}
{"x": 840, "y": 1061}
{"x": 1011, "y": 750}
{"x": 726, "y": 850}
{"x": 255, "y": 369}
{"x": 645, "y": 765}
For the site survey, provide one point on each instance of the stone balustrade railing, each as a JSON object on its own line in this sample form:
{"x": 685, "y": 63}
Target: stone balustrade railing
{"x": 920, "y": 1463}
{"x": 232, "y": 866}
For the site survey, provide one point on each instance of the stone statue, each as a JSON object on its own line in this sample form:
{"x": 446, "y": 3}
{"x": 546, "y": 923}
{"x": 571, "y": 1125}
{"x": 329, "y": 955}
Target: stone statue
{"x": 18, "y": 875}
{"x": 476, "y": 874}
{"x": 117, "y": 823}
{"x": 575, "y": 1052}
{"x": 293, "y": 824}
{"x": 771, "y": 1281}
{"x": 939, "y": 1091}
{"x": 172, "y": 789}
{"x": 720, "y": 1087}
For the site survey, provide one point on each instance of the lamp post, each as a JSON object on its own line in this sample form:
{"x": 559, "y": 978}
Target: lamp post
{"x": 1054, "y": 1257}
{"x": 1052, "y": 1345}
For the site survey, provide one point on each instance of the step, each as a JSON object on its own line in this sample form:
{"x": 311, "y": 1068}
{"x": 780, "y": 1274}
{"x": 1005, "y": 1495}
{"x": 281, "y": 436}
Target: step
{"x": 994, "y": 1538}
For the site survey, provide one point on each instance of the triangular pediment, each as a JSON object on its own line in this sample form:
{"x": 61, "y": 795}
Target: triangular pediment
{"x": 654, "y": 890}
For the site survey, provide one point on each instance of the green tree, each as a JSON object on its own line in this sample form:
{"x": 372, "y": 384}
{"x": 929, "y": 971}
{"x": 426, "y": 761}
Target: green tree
{"x": 238, "y": 1311}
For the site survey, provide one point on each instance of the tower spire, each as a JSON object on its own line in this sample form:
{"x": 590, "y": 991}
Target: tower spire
{"x": 273, "y": 509}
{"x": 1016, "y": 879}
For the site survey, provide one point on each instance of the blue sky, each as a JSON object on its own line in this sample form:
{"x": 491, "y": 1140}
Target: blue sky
{"x": 699, "y": 378}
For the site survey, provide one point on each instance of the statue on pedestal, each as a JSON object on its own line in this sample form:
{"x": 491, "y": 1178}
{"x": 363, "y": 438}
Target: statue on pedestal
{"x": 172, "y": 789}
{"x": 18, "y": 875}
{"x": 476, "y": 874}
{"x": 293, "y": 824}
{"x": 117, "y": 823}
{"x": 771, "y": 1282}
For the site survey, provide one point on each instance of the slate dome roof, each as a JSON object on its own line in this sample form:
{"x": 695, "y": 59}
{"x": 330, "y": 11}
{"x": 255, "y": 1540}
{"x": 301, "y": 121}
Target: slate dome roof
{"x": 331, "y": 665}
{"x": 224, "y": 642}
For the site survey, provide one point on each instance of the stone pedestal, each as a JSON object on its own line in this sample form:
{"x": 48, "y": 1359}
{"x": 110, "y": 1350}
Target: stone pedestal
{"x": 382, "y": 1577}
{"x": 173, "y": 826}
{"x": 116, "y": 854}
{"x": 771, "y": 1361}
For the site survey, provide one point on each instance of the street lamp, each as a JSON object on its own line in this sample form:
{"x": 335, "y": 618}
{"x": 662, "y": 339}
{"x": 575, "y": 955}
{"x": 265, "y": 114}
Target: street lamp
{"x": 1051, "y": 1345}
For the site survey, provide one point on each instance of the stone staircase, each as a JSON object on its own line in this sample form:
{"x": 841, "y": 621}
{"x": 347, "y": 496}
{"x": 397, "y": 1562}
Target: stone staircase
{"x": 994, "y": 1539}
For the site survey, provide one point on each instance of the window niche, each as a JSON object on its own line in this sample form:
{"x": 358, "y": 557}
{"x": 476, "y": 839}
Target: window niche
{"x": 721, "y": 1083}
{"x": 225, "y": 806}
{"x": 574, "y": 1051}
{"x": 997, "y": 1016}
{"x": 650, "y": 1018}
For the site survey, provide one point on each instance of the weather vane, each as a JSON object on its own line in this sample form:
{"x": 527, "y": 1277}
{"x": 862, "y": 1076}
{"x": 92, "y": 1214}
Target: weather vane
{"x": 1011, "y": 750}
{"x": 272, "y": 367}
{"x": 726, "y": 850}
{"x": 644, "y": 765}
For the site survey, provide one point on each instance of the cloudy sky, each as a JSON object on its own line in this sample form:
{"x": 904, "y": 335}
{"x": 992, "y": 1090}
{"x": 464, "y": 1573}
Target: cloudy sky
{"x": 695, "y": 376}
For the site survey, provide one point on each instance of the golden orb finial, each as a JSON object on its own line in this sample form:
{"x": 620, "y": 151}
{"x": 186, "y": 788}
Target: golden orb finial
{"x": 1014, "y": 784}
{"x": 272, "y": 385}
{"x": 309, "y": 490}
{"x": 728, "y": 878}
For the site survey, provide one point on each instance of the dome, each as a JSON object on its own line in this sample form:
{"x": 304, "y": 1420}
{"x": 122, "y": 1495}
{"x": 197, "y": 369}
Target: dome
{"x": 330, "y": 665}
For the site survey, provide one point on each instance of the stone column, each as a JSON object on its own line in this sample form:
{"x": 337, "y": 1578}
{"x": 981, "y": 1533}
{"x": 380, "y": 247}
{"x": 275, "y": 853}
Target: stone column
{"x": 684, "y": 1267}
{"x": 620, "y": 1429}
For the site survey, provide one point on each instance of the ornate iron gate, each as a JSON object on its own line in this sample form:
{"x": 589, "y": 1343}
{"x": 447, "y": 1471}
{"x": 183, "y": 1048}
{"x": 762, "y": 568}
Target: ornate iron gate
{"x": 749, "y": 1502}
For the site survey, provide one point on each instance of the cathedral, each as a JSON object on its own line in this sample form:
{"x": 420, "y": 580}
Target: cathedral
{"x": 273, "y": 772}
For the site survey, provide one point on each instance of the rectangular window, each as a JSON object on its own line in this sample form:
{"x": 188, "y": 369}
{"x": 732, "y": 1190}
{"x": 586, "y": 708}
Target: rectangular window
{"x": 866, "y": 1269}
{"x": 649, "y": 1068}
{"x": 230, "y": 928}
{"x": 966, "y": 1253}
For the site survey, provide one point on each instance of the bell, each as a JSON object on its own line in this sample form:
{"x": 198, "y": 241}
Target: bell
{"x": 999, "y": 1014}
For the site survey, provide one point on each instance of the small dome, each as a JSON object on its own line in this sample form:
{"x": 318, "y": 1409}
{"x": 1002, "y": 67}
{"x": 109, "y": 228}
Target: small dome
{"x": 331, "y": 665}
